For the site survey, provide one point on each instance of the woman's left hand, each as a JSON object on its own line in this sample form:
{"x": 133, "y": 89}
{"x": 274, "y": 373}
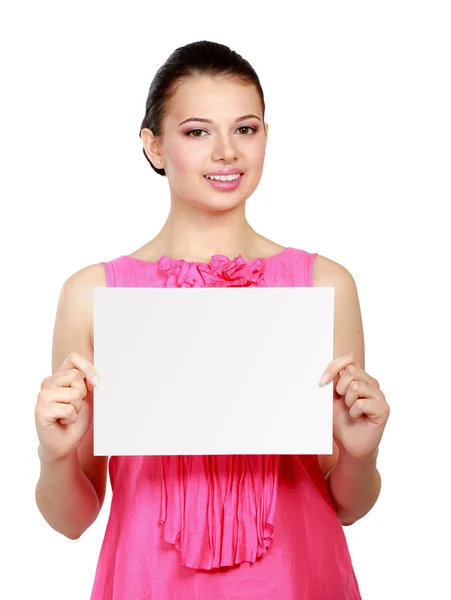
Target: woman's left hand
{"x": 360, "y": 408}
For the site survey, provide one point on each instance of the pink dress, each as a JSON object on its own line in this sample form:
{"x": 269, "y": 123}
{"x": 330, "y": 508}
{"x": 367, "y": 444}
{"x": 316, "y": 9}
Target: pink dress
{"x": 221, "y": 527}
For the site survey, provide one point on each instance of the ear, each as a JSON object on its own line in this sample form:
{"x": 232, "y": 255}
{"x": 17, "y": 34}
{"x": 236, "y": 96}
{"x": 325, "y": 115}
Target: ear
{"x": 151, "y": 147}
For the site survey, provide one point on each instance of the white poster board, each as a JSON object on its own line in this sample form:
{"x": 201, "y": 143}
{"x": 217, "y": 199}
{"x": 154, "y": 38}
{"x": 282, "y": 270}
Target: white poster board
{"x": 189, "y": 371}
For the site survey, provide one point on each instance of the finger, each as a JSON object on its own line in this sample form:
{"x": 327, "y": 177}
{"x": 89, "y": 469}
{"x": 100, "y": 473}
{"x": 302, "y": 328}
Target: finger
{"x": 338, "y": 364}
{"x": 74, "y": 359}
{"x": 355, "y": 390}
{"x": 55, "y": 411}
{"x": 371, "y": 407}
{"x": 61, "y": 395}
{"x": 66, "y": 378}
{"x": 72, "y": 378}
{"x": 349, "y": 374}
{"x": 66, "y": 416}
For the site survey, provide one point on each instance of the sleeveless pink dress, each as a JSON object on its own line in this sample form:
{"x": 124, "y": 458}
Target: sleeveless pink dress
{"x": 221, "y": 527}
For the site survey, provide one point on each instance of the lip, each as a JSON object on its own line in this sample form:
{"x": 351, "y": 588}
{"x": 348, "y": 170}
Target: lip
{"x": 225, "y": 186}
{"x": 225, "y": 172}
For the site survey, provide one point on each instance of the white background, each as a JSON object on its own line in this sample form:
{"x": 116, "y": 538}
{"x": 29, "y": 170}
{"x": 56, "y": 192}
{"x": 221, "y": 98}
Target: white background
{"x": 357, "y": 169}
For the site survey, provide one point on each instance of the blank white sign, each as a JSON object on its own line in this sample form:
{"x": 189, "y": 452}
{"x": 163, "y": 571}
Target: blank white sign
{"x": 212, "y": 370}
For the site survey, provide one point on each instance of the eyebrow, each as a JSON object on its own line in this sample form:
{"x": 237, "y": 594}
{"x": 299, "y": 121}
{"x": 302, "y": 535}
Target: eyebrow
{"x": 200, "y": 119}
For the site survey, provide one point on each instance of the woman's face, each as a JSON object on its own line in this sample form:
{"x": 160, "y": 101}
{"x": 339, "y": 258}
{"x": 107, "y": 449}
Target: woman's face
{"x": 191, "y": 149}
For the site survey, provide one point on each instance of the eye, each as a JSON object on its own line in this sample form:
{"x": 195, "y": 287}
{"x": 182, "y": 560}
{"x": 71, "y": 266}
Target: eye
{"x": 248, "y": 127}
{"x": 192, "y": 131}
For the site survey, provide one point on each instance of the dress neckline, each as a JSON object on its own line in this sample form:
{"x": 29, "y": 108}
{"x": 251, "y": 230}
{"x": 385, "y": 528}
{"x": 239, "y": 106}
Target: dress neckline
{"x": 213, "y": 259}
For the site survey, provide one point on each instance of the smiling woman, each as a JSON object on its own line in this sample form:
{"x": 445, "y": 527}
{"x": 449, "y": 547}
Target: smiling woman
{"x": 231, "y": 110}
{"x": 250, "y": 526}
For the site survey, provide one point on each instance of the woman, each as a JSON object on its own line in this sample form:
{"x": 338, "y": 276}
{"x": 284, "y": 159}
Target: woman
{"x": 222, "y": 527}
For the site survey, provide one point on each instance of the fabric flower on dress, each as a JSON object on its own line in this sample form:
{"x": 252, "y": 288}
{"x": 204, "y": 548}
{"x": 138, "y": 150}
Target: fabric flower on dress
{"x": 219, "y": 272}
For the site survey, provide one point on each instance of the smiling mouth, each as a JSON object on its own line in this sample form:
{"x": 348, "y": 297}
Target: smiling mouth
{"x": 224, "y": 178}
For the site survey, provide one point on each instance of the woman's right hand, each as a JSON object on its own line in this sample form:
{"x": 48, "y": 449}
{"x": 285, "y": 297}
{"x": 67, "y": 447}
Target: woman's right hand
{"x": 62, "y": 416}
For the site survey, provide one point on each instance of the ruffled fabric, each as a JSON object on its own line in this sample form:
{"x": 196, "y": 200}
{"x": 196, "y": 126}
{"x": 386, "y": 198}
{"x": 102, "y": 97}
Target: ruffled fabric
{"x": 219, "y": 511}
{"x": 219, "y": 272}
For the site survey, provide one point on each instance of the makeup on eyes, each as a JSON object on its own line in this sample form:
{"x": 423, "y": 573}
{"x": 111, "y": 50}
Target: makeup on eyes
{"x": 248, "y": 127}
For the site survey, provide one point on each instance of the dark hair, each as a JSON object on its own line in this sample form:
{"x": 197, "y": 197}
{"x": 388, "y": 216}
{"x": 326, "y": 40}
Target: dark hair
{"x": 198, "y": 58}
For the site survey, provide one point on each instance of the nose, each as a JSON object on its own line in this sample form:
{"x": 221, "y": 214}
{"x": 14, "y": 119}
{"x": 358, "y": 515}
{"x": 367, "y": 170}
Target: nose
{"x": 224, "y": 148}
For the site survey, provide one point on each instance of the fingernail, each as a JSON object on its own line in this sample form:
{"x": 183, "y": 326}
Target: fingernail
{"x": 324, "y": 378}
{"x": 96, "y": 380}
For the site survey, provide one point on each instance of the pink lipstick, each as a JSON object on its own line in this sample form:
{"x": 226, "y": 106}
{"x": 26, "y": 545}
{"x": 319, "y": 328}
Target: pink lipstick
{"x": 225, "y": 185}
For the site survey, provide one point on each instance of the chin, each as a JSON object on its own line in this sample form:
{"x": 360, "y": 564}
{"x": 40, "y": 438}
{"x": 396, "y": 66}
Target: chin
{"x": 221, "y": 206}
{"x": 229, "y": 200}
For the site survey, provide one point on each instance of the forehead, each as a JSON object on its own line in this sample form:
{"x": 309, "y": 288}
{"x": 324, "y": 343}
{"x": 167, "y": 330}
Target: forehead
{"x": 213, "y": 98}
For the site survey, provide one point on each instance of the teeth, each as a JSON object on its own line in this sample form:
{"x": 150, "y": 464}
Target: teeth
{"x": 223, "y": 177}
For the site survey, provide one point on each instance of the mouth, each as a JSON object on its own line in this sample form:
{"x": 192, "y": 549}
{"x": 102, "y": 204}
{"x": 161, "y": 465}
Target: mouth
{"x": 229, "y": 182}
{"x": 229, "y": 177}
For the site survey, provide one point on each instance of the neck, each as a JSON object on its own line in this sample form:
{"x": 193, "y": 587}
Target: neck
{"x": 196, "y": 235}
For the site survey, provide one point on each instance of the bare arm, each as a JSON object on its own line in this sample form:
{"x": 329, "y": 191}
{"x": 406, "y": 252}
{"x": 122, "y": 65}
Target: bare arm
{"x": 65, "y": 497}
{"x": 70, "y": 492}
{"x": 353, "y": 486}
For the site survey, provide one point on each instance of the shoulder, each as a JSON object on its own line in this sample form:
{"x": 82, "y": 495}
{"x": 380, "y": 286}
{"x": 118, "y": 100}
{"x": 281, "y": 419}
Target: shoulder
{"x": 77, "y": 291}
{"x": 80, "y": 284}
{"x": 328, "y": 273}
{"x": 89, "y": 276}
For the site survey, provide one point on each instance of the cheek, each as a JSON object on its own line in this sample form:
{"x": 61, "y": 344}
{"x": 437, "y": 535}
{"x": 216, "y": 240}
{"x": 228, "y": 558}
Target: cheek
{"x": 259, "y": 155}
{"x": 185, "y": 160}
{"x": 254, "y": 151}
